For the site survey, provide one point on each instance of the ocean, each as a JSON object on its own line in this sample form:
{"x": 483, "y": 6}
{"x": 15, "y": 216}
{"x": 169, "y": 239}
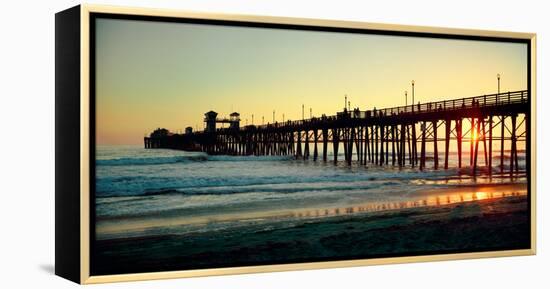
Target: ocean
{"x": 150, "y": 192}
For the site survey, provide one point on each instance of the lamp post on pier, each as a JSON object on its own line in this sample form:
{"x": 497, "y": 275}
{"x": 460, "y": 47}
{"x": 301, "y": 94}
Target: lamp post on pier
{"x": 498, "y": 83}
{"x": 345, "y": 100}
{"x": 412, "y": 83}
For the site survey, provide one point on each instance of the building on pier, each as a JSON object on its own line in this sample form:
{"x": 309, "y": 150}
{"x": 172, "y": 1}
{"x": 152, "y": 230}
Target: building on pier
{"x": 211, "y": 119}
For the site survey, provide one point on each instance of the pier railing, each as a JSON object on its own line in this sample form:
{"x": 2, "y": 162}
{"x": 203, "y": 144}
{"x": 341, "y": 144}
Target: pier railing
{"x": 481, "y": 101}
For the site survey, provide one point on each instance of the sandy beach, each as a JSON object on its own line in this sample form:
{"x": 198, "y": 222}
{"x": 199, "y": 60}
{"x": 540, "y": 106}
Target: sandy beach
{"x": 463, "y": 219}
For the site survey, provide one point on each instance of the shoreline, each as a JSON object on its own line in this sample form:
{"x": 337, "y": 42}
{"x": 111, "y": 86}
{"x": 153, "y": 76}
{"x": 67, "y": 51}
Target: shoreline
{"x": 485, "y": 224}
{"x": 428, "y": 198}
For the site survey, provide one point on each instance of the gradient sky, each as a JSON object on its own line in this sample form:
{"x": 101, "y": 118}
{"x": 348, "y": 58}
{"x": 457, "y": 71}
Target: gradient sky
{"x": 154, "y": 74}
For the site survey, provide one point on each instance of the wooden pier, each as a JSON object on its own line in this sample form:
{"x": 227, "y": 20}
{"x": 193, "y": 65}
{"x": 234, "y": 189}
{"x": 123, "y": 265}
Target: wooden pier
{"x": 396, "y": 136}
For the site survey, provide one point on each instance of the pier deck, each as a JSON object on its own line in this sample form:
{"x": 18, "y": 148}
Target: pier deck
{"x": 391, "y": 136}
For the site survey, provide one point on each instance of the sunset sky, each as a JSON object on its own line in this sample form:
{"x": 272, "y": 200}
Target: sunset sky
{"x": 153, "y": 74}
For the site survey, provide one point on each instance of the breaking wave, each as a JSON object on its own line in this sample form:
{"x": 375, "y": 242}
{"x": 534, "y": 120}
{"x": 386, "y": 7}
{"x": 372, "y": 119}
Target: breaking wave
{"x": 184, "y": 159}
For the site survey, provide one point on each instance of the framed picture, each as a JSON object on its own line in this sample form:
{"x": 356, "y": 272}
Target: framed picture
{"x": 192, "y": 144}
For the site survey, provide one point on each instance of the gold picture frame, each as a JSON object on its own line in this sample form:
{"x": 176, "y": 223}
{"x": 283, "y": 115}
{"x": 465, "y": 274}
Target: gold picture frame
{"x": 80, "y": 16}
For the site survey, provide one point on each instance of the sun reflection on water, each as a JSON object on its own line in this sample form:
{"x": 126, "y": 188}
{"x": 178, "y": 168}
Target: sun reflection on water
{"x": 429, "y": 201}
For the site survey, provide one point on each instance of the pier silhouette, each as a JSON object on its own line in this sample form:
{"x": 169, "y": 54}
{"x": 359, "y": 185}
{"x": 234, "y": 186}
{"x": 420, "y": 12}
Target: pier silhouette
{"x": 395, "y": 136}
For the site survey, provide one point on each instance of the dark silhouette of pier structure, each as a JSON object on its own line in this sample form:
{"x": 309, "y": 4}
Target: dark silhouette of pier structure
{"x": 395, "y": 136}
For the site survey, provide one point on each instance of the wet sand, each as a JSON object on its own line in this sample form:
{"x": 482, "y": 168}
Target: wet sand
{"x": 466, "y": 219}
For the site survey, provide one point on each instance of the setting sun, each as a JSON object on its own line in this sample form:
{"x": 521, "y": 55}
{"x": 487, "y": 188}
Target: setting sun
{"x": 475, "y": 136}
